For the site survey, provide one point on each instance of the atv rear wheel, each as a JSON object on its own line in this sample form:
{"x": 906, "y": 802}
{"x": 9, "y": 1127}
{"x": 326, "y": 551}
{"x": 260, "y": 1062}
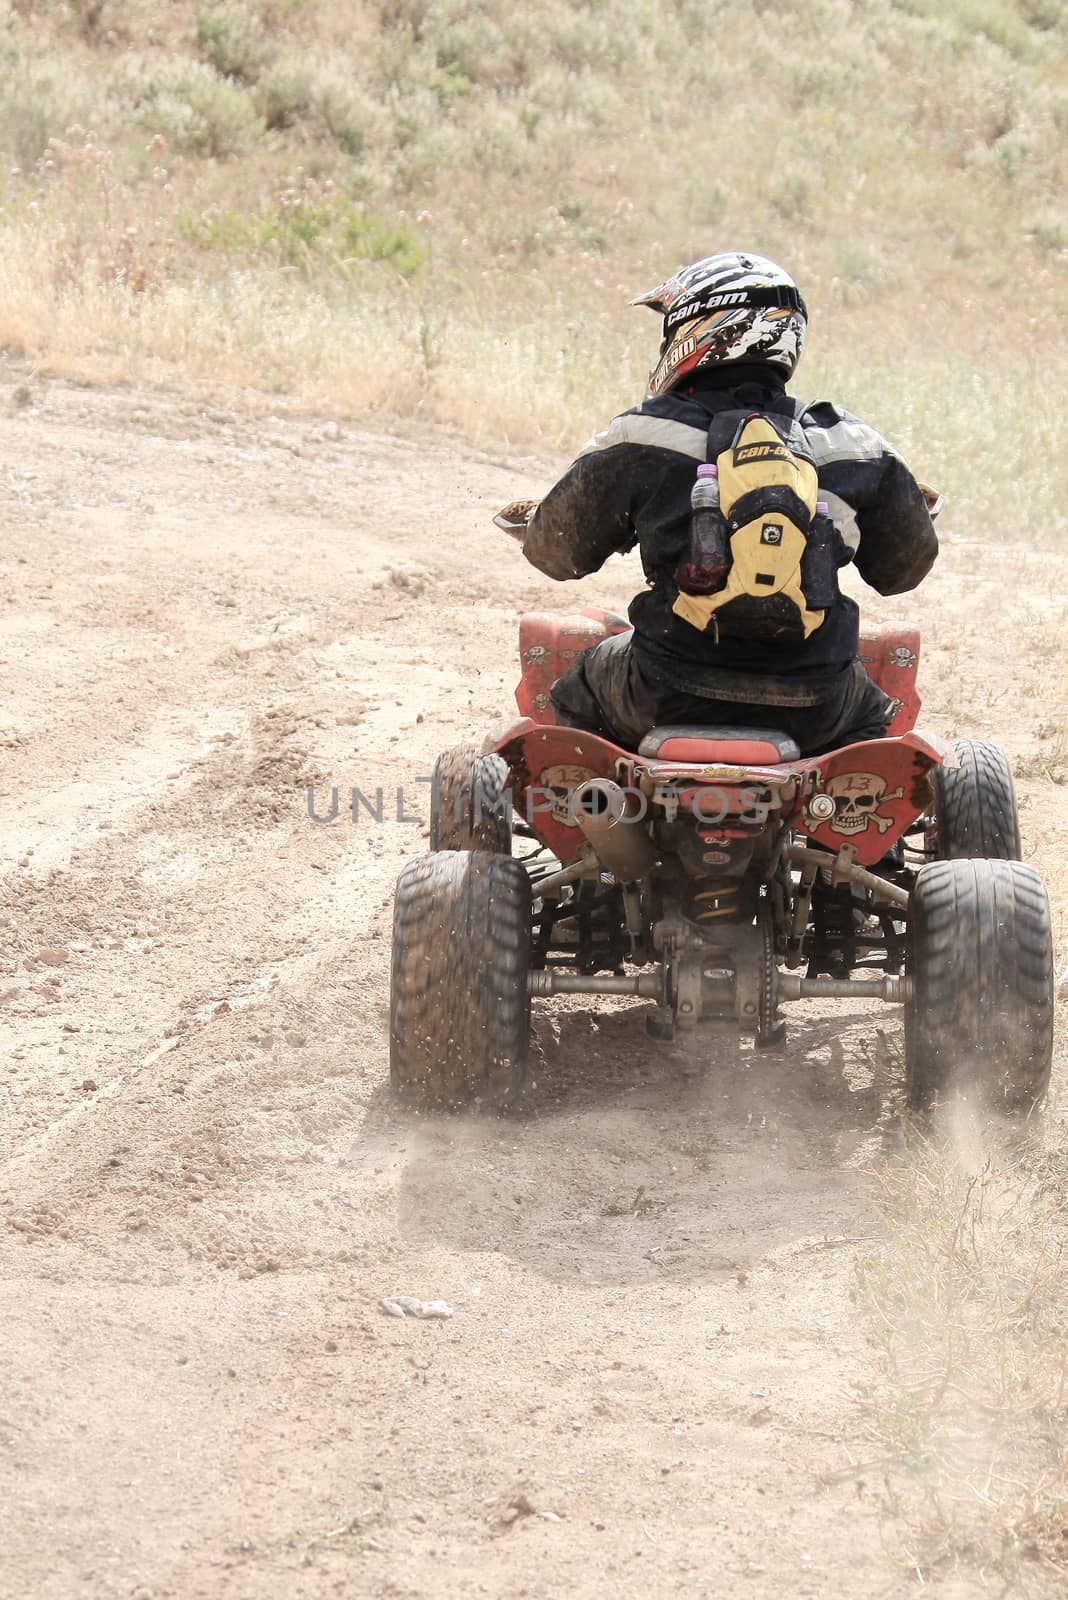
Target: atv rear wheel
{"x": 469, "y": 803}
{"x": 459, "y": 1005}
{"x": 974, "y": 816}
{"x": 979, "y": 1017}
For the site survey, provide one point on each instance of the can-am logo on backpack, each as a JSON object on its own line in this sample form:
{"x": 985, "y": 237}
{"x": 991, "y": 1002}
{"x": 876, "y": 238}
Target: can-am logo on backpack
{"x": 771, "y": 533}
{"x": 746, "y": 454}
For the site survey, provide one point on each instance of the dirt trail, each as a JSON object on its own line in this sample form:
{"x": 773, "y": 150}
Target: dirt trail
{"x": 648, "y": 1385}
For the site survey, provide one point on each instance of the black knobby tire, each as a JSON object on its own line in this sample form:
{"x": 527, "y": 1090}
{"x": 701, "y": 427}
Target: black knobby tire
{"x": 469, "y": 803}
{"x": 771, "y": 1027}
{"x": 975, "y": 815}
{"x": 459, "y": 1004}
{"x": 979, "y": 1018}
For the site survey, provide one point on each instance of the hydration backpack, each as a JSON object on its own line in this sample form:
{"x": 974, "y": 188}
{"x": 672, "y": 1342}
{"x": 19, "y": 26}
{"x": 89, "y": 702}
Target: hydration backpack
{"x": 784, "y": 549}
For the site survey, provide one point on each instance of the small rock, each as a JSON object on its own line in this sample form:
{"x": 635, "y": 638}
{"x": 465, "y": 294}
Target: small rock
{"x": 297, "y": 1040}
{"x": 519, "y": 1507}
{"x": 53, "y": 955}
{"x": 89, "y": 1085}
{"x": 331, "y": 431}
{"x": 433, "y": 1308}
{"x": 407, "y": 1306}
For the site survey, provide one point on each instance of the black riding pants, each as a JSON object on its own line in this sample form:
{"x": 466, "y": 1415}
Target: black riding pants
{"x": 606, "y": 692}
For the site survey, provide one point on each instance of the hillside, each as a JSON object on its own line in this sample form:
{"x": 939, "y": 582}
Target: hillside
{"x": 441, "y": 206}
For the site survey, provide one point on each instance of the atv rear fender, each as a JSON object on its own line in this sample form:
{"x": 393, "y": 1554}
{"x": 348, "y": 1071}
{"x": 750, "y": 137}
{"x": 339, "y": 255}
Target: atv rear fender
{"x": 879, "y": 787}
{"x": 549, "y": 642}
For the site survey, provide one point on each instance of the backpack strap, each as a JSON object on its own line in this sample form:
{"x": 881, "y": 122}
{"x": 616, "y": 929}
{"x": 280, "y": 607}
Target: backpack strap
{"x": 725, "y": 424}
{"x": 730, "y": 407}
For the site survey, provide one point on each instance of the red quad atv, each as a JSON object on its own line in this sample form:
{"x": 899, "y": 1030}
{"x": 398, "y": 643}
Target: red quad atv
{"x": 721, "y": 875}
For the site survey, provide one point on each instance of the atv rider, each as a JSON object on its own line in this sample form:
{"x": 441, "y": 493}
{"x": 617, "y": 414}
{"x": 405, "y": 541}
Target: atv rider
{"x": 734, "y": 325}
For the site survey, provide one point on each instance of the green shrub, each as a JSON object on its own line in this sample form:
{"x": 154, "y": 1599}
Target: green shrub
{"x": 232, "y": 40}
{"x": 1044, "y": 14}
{"x": 332, "y": 232}
{"x": 285, "y": 94}
{"x": 196, "y": 110}
{"x": 299, "y": 90}
{"x": 1048, "y": 236}
{"x": 25, "y": 128}
{"x": 36, "y": 104}
{"x": 340, "y": 113}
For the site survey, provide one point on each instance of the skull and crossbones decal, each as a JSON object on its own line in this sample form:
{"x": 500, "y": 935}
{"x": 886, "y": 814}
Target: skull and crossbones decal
{"x": 902, "y": 656}
{"x": 857, "y": 798}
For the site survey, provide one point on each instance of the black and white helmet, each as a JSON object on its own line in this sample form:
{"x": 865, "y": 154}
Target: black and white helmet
{"x": 727, "y": 307}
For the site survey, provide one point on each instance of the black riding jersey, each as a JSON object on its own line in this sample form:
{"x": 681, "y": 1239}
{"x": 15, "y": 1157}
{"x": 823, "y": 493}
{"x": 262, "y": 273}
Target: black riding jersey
{"x": 631, "y": 485}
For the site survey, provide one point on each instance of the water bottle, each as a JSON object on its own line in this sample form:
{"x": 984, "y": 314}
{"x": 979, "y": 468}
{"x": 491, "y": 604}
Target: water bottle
{"x": 820, "y": 563}
{"x": 710, "y": 551}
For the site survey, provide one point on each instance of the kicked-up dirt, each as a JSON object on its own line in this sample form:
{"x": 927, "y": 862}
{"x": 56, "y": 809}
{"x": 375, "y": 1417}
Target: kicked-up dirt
{"x": 649, "y": 1386}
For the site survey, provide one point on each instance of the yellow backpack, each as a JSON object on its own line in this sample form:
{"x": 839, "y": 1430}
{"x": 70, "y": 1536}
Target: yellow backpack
{"x": 784, "y": 553}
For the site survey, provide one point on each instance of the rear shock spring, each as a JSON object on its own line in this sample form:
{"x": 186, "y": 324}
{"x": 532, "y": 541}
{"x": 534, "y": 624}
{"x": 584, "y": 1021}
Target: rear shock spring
{"x": 715, "y": 900}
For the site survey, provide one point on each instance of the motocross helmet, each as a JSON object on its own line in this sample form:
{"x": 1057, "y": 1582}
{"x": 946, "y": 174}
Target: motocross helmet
{"x": 727, "y": 307}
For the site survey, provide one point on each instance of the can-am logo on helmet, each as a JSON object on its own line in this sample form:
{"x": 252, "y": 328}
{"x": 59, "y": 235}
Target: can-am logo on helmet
{"x": 707, "y": 302}
{"x": 677, "y": 354}
{"x": 683, "y": 313}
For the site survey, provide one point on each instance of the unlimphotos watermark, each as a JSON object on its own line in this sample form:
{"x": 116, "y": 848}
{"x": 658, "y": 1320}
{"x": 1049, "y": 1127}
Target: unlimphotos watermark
{"x": 396, "y": 804}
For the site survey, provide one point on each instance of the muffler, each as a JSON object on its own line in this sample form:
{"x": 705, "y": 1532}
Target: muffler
{"x": 614, "y": 828}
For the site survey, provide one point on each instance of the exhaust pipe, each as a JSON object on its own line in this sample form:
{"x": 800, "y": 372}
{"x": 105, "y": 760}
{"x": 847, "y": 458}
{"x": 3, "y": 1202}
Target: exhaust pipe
{"x": 618, "y": 837}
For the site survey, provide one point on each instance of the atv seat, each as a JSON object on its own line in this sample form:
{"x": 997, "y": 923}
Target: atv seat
{"x": 738, "y": 747}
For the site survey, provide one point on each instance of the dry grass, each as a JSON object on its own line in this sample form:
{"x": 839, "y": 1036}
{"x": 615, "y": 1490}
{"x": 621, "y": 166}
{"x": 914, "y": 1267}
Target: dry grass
{"x": 1050, "y": 763}
{"x": 442, "y": 205}
{"x": 968, "y": 1304}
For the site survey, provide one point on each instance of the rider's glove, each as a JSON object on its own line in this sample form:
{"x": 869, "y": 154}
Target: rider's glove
{"x": 513, "y": 518}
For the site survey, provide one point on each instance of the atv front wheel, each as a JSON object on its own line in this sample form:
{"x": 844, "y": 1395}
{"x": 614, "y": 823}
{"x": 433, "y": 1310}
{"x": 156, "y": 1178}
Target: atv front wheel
{"x": 974, "y": 815}
{"x": 979, "y": 1017}
{"x": 469, "y": 803}
{"x": 459, "y": 1006}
